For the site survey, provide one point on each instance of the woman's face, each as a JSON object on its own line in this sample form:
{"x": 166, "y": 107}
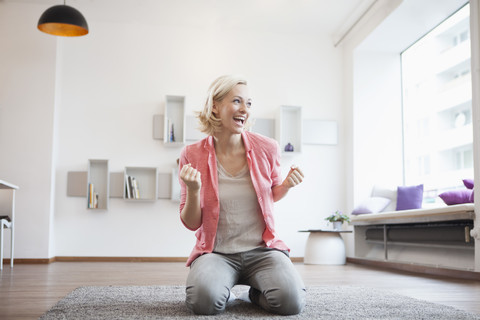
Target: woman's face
{"x": 234, "y": 109}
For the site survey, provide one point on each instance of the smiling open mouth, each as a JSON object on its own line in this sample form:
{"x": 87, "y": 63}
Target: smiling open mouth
{"x": 239, "y": 119}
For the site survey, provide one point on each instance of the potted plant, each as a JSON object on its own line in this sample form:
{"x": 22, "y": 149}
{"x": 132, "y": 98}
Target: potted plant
{"x": 337, "y": 219}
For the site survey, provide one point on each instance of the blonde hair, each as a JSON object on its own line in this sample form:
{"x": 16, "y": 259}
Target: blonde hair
{"x": 219, "y": 88}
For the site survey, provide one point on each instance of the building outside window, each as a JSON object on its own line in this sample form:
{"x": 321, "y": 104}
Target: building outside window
{"x": 437, "y": 107}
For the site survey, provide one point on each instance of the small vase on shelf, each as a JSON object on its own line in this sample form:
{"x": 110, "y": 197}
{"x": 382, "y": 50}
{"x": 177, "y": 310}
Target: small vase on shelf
{"x": 289, "y": 147}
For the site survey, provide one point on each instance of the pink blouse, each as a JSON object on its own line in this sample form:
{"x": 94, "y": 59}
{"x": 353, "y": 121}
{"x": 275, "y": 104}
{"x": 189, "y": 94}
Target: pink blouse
{"x": 263, "y": 158}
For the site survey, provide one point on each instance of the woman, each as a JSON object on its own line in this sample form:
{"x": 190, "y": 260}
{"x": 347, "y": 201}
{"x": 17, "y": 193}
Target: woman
{"x": 229, "y": 182}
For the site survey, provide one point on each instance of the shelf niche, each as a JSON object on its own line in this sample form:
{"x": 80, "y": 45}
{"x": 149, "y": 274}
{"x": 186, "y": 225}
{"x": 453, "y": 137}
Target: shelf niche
{"x": 289, "y": 129}
{"x": 146, "y": 183}
{"x": 174, "y": 121}
{"x": 98, "y": 184}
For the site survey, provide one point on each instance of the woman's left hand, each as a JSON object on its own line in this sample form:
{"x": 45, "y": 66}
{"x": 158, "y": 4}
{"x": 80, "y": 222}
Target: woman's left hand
{"x": 294, "y": 177}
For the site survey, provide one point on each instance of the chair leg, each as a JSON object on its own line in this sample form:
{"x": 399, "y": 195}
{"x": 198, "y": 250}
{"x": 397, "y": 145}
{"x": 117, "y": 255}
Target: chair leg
{"x": 12, "y": 228}
{"x": 1, "y": 244}
{"x": 11, "y": 246}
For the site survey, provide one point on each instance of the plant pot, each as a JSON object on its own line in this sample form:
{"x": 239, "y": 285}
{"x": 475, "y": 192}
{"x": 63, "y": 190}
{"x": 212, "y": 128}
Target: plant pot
{"x": 337, "y": 225}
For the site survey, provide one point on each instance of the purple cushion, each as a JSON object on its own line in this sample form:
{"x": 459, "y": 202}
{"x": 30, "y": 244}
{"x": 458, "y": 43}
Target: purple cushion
{"x": 409, "y": 197}
{"x": 468, "y": 183}
{"x": 457, "y": 196}
{"x": 472, "y": 197}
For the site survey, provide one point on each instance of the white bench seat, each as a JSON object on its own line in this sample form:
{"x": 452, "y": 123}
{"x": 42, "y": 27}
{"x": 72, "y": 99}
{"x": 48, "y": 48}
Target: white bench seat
{"x": 445, "y": 213}
{"x": 426, "y": 227}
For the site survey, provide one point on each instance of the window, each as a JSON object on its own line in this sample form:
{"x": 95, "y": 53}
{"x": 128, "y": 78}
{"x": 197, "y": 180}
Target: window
{"x": 437, "y": 107}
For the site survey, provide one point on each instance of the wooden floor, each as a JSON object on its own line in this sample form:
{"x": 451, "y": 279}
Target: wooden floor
{"x": 27, "y": 291}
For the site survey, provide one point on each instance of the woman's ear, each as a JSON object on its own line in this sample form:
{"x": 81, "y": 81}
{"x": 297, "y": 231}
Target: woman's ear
{"x": 214, "y": 109}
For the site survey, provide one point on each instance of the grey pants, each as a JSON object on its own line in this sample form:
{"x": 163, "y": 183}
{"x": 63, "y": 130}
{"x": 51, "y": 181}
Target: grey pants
{"x": 275, "y": 284}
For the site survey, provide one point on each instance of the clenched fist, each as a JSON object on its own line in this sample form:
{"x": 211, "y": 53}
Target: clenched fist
{"x": 191, "y": 177}
{"x": 294, "y": 177}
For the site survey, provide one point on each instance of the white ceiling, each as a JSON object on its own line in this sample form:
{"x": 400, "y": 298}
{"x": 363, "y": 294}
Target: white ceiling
{"x": 409, "y": 22}
{"x": 323, "y": 17}
{"x": 329, "y": 18}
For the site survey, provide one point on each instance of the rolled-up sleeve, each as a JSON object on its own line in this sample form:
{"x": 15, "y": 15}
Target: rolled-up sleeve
{"x": 276, "y": 169}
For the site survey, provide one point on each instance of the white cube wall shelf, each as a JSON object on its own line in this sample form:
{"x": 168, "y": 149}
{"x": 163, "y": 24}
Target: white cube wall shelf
{"x": 289, "y": 129}
{"x": 140, "y": 183}
{"x": 98, "y": 184}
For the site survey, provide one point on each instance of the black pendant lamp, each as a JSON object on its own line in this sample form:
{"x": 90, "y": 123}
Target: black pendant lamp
{"x": 63, "y": 20}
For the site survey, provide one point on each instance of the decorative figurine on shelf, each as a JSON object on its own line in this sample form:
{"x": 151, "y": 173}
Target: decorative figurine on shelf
{"x": 172, "y": 134}
{"x": 289, "y": 147}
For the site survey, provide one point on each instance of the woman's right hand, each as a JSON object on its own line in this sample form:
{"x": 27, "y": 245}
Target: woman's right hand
{"x": 191, "y": 177}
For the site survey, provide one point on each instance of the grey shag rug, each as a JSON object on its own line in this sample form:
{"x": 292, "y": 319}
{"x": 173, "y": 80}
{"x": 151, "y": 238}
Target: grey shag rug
{"x": 167, "y": 302}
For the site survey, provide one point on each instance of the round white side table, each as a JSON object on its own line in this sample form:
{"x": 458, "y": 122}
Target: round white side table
{"x": 325, "y": 247}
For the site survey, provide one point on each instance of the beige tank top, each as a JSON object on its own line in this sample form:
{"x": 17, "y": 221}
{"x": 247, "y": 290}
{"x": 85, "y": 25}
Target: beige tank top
{"x": 240, "y": 225}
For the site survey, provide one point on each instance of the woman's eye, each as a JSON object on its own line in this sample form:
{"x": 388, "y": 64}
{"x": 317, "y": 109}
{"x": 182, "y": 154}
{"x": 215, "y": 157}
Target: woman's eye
{"x": 249, "y": 104}
{"x": 236, "y": 100}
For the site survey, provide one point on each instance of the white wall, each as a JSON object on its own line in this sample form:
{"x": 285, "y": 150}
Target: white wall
{"x": 27, "y": 98}
{"x": 377, "y": 122}
{"x": 64, "y": 101}
{"x": 115, "y": 79}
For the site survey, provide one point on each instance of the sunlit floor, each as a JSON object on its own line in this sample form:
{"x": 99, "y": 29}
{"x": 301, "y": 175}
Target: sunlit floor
{"x": 29, "y": 290}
